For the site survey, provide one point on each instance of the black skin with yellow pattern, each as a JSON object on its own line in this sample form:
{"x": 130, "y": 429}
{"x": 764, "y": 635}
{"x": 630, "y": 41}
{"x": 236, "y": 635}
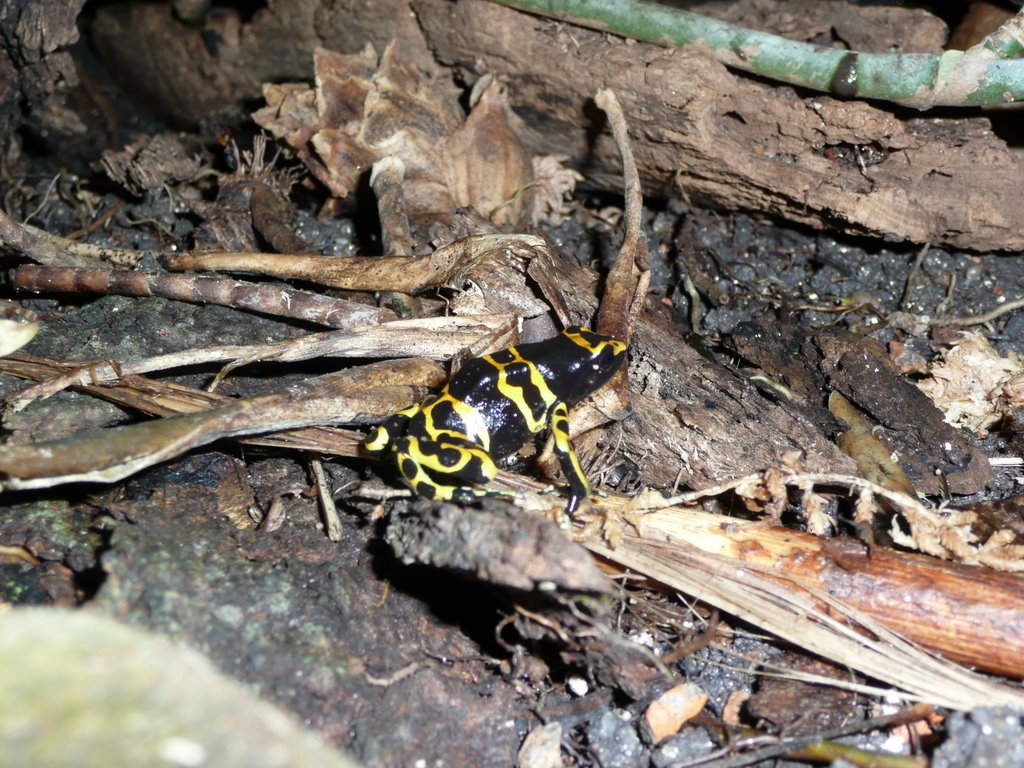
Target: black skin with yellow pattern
{"x": 447, "y": 445}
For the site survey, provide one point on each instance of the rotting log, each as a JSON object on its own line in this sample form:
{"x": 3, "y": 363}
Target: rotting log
{"x": 697, "y": 127}
{"x": 737, "y": 143}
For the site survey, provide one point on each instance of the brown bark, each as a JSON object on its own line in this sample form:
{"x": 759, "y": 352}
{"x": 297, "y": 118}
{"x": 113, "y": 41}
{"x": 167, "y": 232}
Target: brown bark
{"x": 33, "y": 65}
{"x": 170, "y": 65}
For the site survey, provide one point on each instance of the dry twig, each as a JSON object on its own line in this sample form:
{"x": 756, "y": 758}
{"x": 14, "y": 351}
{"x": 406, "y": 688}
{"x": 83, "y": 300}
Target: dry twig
{"x": 279, "y": 300}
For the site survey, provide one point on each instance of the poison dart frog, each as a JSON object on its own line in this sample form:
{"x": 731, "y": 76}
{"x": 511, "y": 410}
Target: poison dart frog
{"x": 491, "y": 407}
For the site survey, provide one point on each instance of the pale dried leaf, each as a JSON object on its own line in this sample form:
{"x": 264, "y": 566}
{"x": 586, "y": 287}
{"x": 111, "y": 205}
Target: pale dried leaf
{"x": 554, "y": 185}
{"x": 290, "y": 111}
{"x": 361, "y": 110}
{"x": 18, "y": 326}
{"x": 967, "y": 385}
{"x": 486, "y": 163}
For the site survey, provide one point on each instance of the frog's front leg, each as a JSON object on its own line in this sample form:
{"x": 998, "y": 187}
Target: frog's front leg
{"x": 422, "y": 462}
{"x": 579, "y": 489}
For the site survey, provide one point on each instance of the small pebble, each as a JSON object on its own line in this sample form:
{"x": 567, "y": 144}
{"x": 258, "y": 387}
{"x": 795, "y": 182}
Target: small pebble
{"x": 578, "y": 685}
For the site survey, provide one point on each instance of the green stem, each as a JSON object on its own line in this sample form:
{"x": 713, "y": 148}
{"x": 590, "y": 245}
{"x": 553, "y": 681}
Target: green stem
{"x": 829, "y": 751}
{"x": 981, "y": 75}
{"x": 1007, "y": 41}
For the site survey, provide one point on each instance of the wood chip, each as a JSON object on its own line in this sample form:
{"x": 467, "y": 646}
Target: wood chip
{"x": 673, "y": 709}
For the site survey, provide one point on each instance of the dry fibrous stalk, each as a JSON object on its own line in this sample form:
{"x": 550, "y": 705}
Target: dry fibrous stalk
{"x": 435, "y": 338}
{"x": 352, "y": 396}
{"x": 968, "y": 613}
{"x": 625, "y": 296}
{"x": 161, "y": 398}
{"x": 625, "y": 293}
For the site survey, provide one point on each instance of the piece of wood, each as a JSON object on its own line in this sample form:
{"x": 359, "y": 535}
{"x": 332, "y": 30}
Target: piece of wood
{"x": 934, "y": 455}
{"x": 740, "y": 144}
{"x": 34, "y": 62}
{"x": 694, "y": 421}
{"x": 970, "y": 614}
{"x": 168, "y": 63}
{"x": 345, "y": 397}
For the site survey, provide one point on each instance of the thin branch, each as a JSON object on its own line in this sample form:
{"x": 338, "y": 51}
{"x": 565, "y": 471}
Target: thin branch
{"x": 436, "y": 338}
{"x": 792, "y": 747}
{"x": 985, "y": 317}
{"x": 56, "y": 251}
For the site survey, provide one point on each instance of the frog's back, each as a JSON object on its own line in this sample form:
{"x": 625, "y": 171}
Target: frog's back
{"x": 509, "y": 396}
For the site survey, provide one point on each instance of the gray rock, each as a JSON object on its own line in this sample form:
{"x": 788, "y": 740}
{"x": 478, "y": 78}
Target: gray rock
{"x": 80, "y": 689}
{"x": 983, "y": 738}
{"x": 687, "y": 746}
{"x": 614, "y": 741}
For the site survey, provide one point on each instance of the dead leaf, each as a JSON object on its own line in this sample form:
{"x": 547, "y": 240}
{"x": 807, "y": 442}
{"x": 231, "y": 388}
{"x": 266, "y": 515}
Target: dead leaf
{"x": 554, "y": 185}
{"x": 875, "y": 461}
{"x": 18, "y": 326}
{"x": 151, "y": 163}
{"x": 361, "y": 110}
{"x": 487, "y": 165}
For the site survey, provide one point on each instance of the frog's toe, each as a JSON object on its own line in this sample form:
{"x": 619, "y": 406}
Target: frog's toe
{"x": 471, "y": 494}
{"x": 574, "y": 503}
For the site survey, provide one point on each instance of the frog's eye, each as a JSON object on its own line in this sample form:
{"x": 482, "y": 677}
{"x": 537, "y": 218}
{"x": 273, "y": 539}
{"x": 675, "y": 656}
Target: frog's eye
{"x": 606, "y": 358}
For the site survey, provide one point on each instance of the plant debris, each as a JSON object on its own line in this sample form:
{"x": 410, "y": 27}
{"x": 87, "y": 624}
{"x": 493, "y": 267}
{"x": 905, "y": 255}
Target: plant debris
{"x": 973, "y": 385}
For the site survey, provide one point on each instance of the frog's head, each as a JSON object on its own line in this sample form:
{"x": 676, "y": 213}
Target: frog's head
{"x": 590, "y": 361}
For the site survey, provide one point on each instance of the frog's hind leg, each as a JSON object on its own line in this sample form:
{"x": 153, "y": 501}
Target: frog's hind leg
{"x": 425, "y": 463}
{"x": 381, "y": 437}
